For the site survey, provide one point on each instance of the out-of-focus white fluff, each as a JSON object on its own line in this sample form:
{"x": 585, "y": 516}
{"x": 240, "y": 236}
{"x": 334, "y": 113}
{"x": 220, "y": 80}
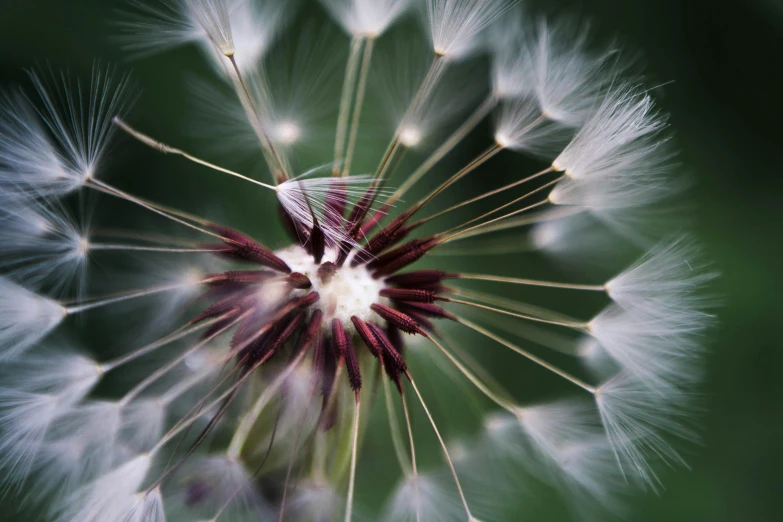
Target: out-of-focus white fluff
{"x": 147, "y": 507}
{"x": 653, "y": 328}
{"x": 78, "y": 119}
{"x": 244, "y": 28}
{"x": 315, "y": 502}
{"x": 42, "y": 246}
{"x": 455, "y": 24}
{"x": 38, "y": 390}
{"x": 550, "y": 63}
{"x": 25, "y": 317}
{"x": 666, "y": 282}
{"x": 399, "y": 68}
{"x": 113, "y": 496}
{"x": 639, "y": 420}
{"x": 366, "y": 18}
{"x": 520, "y": 125}
{"x": 551, "y": 425}
{"x": 423, "y": 497}
{"x": 206, "y": 483}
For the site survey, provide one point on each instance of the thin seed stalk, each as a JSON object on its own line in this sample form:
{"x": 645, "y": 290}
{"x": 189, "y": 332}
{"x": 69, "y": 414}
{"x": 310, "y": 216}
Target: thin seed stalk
{"x": 345, "y": 102}
{"x": 361, "y": 90}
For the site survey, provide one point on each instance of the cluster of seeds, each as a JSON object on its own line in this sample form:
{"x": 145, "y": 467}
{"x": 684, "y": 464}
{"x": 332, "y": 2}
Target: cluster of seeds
{"x": 261, "y": 415}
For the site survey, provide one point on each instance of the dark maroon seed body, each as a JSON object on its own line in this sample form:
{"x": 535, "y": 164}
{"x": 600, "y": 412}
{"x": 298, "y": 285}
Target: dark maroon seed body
{"x": 410, "y": 294}
{"x": 393, "y": 361}
{"x": 299, "y": 281}
{"x": 347, "y": 353}
{"x": 420, "y": 277}
{"x": 429, "y": 310}
{"x": 400, "y": 320}
{"x": 407, "y": 259}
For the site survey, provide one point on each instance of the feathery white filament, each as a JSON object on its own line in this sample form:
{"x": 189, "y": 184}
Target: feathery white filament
{"x": 41, "y": 245}
{"x": 25, "y": 317}
{"x": 111, "y": 497}
{"x": 664, "y": 282}
{"x": 620, "y": 140}
{"x": 456, "y": 24}
{"x": 569, "y": 79}
{"x": 304, "y": 198}
{"x": 77, "y": 117}
{"x": 419, "y": 498}
{"x": 146, "y": 507}
{"x": 639, "y": 420}
{"x": 213, "y": 17}
{"x": 366, "y": 18}
{"x": 652, "y": 330}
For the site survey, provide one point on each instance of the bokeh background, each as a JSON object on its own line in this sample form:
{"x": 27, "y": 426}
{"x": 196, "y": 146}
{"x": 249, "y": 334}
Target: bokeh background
{"x": 721, "y": 61}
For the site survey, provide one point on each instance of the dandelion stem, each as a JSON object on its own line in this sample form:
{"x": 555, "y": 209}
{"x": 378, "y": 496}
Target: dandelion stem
{"x": 453, "y": 140}
{"x": 467, "y": 169}
{"x": 354, "y": 455}
{"x": 394, "y": 428}
{"x": 413, "y": 456}
{"x": 162, "y": 147}
{"x": 107, "y": 189}
{"x": 443, "y": 447}
{"x": 483, "y": 388}
{"x": 361, "y": 89}
{"x": 266, "y": 143}
{"x": 575, "y": 325}
{"x": 163, "y": 370}
{"x": 141, "y": 248}
{"x": 177, "y": 334}
{"x": 76, "y": 309}
{"x": 533, "y": 282}
{"x": 486, "y": 195}
{"x": 528, "y": 355}
{"x": 474, "y": 227}
{"x": 345, "y": 102}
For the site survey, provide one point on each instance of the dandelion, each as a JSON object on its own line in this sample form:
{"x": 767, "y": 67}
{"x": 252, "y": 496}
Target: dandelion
{"x": 255, "y": 403}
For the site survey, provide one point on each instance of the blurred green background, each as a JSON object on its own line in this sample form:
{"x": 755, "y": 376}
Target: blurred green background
{"x": 721, "y": 57}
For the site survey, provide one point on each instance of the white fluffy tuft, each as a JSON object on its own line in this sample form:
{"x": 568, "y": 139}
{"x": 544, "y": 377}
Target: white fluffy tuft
{"x": 639, "y": 420}
{"x": 25, "y": 317}
{"x": 112, "y": 496}
{"x": 366, "y": 18}
{"x": 456, "y": 24}
{"x": 422, "y": 497}
{"x": 42, "y": 246}
{"x": 653, "y": 328}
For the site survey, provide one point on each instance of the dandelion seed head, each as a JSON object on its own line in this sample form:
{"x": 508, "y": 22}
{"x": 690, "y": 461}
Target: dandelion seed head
{"x": 248, "y": 367}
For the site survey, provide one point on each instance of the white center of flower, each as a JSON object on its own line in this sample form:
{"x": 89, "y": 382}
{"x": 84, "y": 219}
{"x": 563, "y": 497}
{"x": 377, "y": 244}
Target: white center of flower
{"x": 350, "y": 292}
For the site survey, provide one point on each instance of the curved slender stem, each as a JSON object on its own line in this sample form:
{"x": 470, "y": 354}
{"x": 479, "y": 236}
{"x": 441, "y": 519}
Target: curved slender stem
{"x": 445, "y": 450}
{"x": 166, "y": 149}
{"x": 453, "y": 140}
{"x": 533, "y": 282}
{"x": 394, "y": 428}
{"x": 552, "y": 368}
{"x": 345, "y": 102}
{"x": 361, "y": 89}
{"x": 354, "y": 457}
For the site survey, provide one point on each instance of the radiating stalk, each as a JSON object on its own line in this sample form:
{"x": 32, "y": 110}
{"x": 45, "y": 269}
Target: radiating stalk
{"x": 76, "y": 309}
{"x": 445, "y": 451}
{"x": 533, "y": 282}
{"x": 345, "y": 103}
{"x": 354, "y": 457}
{"x": 361, "y": 89}
{"x": 485, "y": 195}
{"x": 166, "y": 149}
{"x": 552, "y": 368}
{"x": 453, "y": 140}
